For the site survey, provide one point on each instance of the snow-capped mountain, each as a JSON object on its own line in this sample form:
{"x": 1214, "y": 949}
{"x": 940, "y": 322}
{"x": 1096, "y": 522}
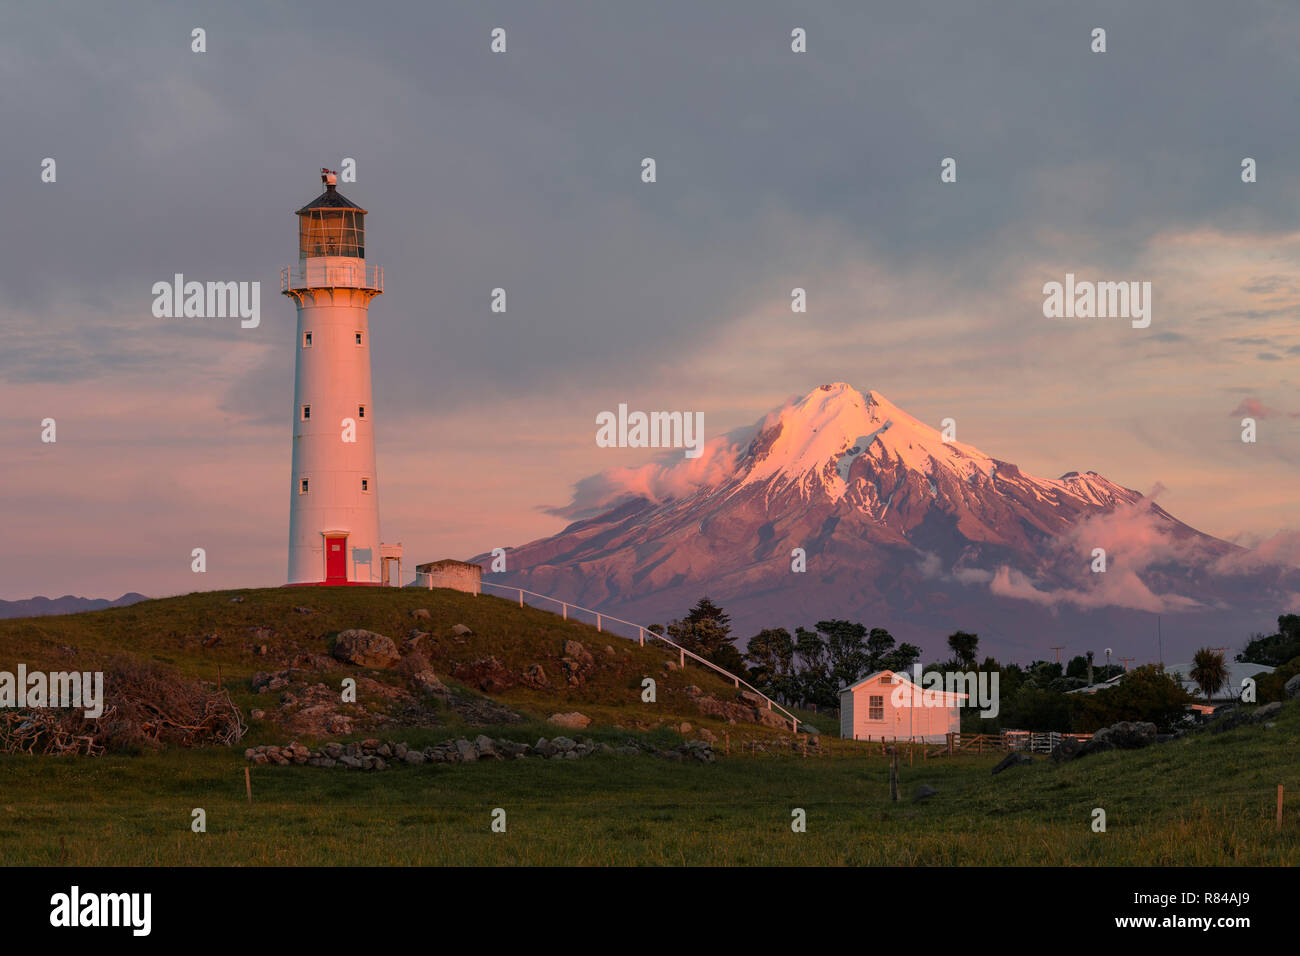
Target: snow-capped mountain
{"x": 896, "y": 527}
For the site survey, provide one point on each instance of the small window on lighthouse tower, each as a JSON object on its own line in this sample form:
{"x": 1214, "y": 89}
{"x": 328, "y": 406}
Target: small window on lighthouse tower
{"x": 306, "y": 340}
{"x": 365, "y": 484}
{"x": 358, "y": 338}
{"x": 302, "y": 487}
{"x": 306, "y": 412}
{"x": 361, "y": 411}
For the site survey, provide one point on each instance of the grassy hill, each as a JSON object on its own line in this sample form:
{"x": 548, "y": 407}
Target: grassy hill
{"x": 1208, "y": 799}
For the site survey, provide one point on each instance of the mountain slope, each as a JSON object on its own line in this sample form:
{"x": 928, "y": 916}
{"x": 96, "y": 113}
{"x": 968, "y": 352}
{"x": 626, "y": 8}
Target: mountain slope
{"x": 900, "y": 529}
{"x": 68, "y": 604}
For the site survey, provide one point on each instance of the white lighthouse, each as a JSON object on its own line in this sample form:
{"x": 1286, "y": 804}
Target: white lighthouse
{"x": 334, "y": 498}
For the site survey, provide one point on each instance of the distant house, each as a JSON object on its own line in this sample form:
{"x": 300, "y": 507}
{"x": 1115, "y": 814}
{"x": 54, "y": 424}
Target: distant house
{"x": 1230, "y": 691}
{"x": 888, "y": 704}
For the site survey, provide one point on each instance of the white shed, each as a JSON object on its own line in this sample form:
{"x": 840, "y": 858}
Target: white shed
{"x": 888, "y": 704}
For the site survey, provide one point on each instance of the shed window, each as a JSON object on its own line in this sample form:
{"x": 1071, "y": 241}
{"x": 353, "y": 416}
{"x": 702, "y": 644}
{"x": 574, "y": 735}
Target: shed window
{"x": 876, "y": 707}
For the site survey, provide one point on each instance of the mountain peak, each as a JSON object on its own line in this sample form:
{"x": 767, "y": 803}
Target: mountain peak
{"x": 815, "y": 440}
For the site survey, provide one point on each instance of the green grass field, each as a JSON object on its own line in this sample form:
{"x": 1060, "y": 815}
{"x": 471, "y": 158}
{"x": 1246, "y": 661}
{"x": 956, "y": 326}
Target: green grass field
{"x": 1204, "y": 800}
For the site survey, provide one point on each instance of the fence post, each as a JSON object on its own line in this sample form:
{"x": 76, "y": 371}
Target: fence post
{"x": 521, "y": 597}
{"x": 597, "y": 623}
{"x": 566, "y": 611}
{"x": 681, "y": 658}
{"x": 641, "y": 636}
{"x": 1279, "y": 807}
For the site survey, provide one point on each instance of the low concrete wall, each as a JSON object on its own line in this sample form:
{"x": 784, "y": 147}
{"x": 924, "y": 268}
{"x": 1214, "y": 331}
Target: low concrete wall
{"x": 448, "y": 573}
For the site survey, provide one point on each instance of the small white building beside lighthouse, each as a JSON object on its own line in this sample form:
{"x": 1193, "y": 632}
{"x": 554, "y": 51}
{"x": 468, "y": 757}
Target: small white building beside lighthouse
{"x": 334, "y": 496}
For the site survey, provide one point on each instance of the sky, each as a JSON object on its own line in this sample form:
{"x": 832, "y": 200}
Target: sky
{"x": 522, "y": 170}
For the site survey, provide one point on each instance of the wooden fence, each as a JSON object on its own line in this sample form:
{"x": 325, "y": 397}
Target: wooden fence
{"x": 954, "y": 744}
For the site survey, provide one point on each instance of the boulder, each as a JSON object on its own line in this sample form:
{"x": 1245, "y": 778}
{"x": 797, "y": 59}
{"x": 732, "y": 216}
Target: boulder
{"x": 752, "y": 699}
{"x": 460, "y": 630}
{"x": 564, "y": 744}
{"x": 421, "y": 614}
{"x": 485, "y": 746}
{"x": 1067, "y": 748}
{"x": 486, "y": 673}
{"x": 365, "y": 649}
{"x": 1127, "y": 735}
{"x": 577, "y": 662}
{"x": 1292, "y": 687}
{"x": 1268, "y": 710}
{"x": 534, "y": 676}
{"x": 545, "y": 748}
{"x": 573, "y": 720}
{"x": 414, "y": 757}
{"x": 428, "y": 683}
{"x": 466, "y": 750}
{"x": 1014, "y": 759}
{"x": 511, "y": 748}
{"x": 1233, "y": 719}
{"x": 1095, "y": 746}
{"x": 923, "y": 792}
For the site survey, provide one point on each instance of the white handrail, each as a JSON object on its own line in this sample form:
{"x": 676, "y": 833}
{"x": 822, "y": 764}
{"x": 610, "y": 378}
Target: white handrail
{"x": 683, "y": 653}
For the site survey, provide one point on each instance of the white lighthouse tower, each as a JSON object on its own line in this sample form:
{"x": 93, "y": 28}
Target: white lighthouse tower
{"x": 334, "y": 498}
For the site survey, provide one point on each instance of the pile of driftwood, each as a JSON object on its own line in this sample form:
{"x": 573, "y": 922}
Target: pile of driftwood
{"x": 145, "y": 705}
{"x": 42, "y": 731}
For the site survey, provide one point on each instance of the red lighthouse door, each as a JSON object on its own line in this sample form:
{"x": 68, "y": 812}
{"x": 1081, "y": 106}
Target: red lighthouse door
{"x": 336, "y": 559}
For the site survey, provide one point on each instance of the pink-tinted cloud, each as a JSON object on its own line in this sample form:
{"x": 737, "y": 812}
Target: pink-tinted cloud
{"x": 671, "y": 477}
{"x": 1252, "y": 407}
{"x": 1256, "y": 409}
{"x": 1282, "y": 548}
{"x": 1122, "y": 588}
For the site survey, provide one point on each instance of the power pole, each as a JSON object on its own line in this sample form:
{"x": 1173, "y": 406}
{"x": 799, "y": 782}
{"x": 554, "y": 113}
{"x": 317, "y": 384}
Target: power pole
{"x": 1125, "y": 661}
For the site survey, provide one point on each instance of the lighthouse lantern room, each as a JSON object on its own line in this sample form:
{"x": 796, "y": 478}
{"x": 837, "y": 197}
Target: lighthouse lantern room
{"x": 334, "y": 496}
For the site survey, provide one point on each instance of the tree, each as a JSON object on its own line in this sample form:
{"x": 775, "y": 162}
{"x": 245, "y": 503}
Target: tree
{"x": 813, "y": 681}
{"x": 1147, "y": 693}
{"x": 964, "y": 647}
{"x": 901, "y": 659}
{"x": 706, "y": 631}
{"x": 879, "y": 644}
{"x": 1209, "y": 672}
{"x": 846, "y": 651}
{"x": 770, "y": 656}
{"x": 1276, "y": 649}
